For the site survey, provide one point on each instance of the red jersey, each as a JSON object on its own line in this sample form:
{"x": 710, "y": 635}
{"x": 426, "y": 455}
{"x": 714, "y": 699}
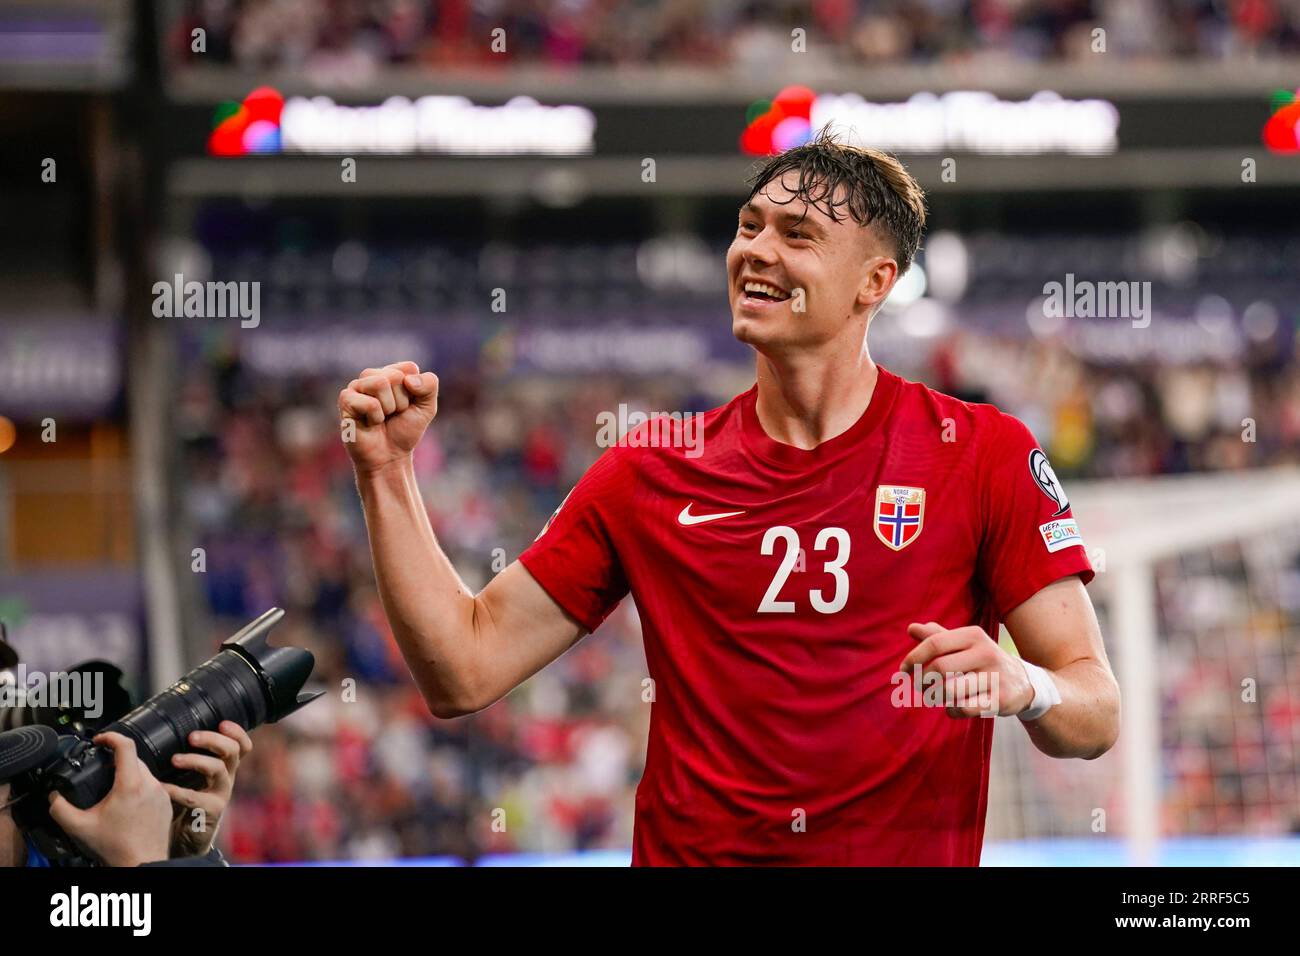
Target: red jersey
{"x": 775, "y": 586}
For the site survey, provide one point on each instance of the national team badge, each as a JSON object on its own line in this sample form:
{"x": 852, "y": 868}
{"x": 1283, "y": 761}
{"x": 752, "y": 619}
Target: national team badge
{"x": 900, "y": 513}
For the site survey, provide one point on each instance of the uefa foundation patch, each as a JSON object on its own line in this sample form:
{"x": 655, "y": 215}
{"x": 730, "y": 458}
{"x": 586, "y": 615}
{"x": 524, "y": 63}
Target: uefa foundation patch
{"x": 1060, "y": 534}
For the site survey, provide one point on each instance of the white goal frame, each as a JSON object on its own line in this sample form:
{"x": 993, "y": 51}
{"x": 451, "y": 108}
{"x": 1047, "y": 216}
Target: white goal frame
{"x": 1128, "y": 526}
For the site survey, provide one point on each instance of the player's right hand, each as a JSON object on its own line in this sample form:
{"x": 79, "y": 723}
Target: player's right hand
{"x": 385, "y": 412}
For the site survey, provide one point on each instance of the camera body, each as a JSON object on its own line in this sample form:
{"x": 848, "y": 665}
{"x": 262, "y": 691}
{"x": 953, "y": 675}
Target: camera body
{"x": 66, "y": 756}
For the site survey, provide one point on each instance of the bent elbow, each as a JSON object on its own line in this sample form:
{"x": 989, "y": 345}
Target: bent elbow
{"x": 1110, "y": 734}
{"x": 449, "y": 712}
{"x": 448, "y": 702}
{"x": 452, "y": 686}
{"x": 1103, "y": 748}
{"x": 449, "y": 709}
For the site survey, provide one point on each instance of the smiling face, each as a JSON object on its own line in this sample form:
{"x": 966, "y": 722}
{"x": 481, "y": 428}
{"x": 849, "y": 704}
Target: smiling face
{"x": 800, "y": 279}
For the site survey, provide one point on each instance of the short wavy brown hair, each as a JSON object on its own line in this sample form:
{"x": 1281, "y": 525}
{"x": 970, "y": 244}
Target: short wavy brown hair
{"x": 869, "y": 185}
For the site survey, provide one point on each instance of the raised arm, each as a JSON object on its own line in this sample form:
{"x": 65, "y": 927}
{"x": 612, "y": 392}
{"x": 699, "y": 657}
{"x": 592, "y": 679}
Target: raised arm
{"x": 464, "y": 650}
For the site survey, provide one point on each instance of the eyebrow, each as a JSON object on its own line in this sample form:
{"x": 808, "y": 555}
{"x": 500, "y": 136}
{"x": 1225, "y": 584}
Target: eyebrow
{"x": 783, "y": 216}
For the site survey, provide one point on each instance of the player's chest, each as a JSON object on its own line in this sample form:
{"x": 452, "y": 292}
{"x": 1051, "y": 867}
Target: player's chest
{"x": 840, "y": 541}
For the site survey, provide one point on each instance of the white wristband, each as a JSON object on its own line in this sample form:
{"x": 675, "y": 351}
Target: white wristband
{"x": 1046, "y": 696}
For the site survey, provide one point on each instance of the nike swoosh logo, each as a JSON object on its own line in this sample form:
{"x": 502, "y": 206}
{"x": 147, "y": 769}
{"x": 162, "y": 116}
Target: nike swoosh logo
{"x": 688, "y": 519}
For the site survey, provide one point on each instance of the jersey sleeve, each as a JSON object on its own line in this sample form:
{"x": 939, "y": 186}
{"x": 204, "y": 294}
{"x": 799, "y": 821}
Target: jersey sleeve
{"x": 1030, "y": 537}
{"x": 574, "y": 558}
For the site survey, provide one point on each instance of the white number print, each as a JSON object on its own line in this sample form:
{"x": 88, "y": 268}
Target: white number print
{"x": 770, "y": 604}
{"x": 835, "y": 568}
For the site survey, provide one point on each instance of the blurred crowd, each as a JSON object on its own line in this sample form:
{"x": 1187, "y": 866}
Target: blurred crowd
{"x": 366, "y": 772}
{"x": 1230, "y": 687}
{"x": 352, "y": 37}
{"x": 1107, "y": 420}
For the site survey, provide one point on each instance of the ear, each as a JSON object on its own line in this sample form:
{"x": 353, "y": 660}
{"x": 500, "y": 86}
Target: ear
{"x": 879, "y": 275}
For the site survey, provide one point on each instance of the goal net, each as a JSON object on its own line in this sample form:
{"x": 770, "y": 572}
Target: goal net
{"x": 1198, "y": 594}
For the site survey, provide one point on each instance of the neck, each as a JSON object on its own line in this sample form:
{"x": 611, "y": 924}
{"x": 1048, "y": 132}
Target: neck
{"x": 805, "y": 400}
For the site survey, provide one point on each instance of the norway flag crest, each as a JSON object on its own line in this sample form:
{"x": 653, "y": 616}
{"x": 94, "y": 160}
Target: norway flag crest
{"x": 900, "y": 512}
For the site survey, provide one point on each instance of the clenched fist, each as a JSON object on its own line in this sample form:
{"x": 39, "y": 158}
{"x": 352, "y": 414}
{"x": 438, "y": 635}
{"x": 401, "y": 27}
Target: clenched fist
{"x": 385, "y": 412}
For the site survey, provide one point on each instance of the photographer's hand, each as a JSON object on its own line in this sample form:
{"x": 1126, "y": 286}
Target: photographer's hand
{"x": 129, "y": 826}
{"x": 199, "y": 812}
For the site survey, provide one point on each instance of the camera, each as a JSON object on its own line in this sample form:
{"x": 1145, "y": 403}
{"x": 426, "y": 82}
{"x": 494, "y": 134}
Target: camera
{"x": 247, "y": 681}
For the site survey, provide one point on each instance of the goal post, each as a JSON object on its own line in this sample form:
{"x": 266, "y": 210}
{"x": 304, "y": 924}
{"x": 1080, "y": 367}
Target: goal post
{"x": 1198, "y": 594}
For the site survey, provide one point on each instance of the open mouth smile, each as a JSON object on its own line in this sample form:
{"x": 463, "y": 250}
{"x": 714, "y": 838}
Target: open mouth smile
{"x": 762, "y": 293}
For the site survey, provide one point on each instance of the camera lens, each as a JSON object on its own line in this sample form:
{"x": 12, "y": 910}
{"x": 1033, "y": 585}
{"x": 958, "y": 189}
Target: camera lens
{"x": 247, "y": 681}
{"x": 223, "y": 688}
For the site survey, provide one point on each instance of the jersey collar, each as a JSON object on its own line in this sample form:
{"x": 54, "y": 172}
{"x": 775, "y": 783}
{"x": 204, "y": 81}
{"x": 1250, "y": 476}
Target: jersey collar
{"x": 763, "y": 445}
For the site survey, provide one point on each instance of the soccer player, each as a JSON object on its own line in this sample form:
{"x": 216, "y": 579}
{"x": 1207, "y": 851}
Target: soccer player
{"x": 820, "y": 582}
